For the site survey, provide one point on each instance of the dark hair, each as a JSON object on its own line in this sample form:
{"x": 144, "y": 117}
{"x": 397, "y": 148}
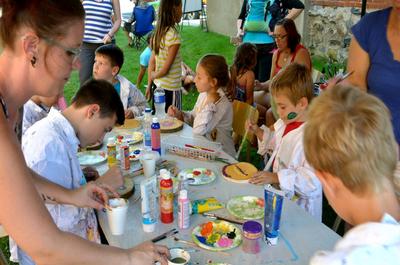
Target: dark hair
{"x": 216, "y": 67}
{"x": 113, "y": 53}
{"x": 293, "y": 37}
{"x": 102, "y": 93}
{"x": 245, "y": 59}
{"x": 48, "y": 18}
{"x": 166, "y": 20}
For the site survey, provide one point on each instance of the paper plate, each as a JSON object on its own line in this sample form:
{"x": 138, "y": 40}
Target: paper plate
{"x": 217, "y": 236}
{"x": 90, "y": 158}
{"x": 201, "y": 176}
{"x": 170, "y": 125}
{"x": 95, "y": 146}
{"x": 137, "y": 137}
{"x": 130, "y": 124}
{"x": 239, "y": 172}
{"x": 246, "y": 207}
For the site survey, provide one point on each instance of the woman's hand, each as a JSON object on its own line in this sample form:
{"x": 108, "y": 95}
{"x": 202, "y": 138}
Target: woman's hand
{"x": 148, "y": 253}
{"x": 107, "y": 39}
{"x": 264, "y": 177}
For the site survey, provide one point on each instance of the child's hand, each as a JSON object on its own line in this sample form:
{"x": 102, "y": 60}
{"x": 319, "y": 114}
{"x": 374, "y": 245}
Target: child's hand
{"x": 153, "y": 75}
{"x": 251, "y": 127}
{"x": 147, "y": 95}
{"x": 172, "y": 111}
{"x": 264, "y": 177}
{"x": 257, "y": 85}
{"x": 129, "y": 114}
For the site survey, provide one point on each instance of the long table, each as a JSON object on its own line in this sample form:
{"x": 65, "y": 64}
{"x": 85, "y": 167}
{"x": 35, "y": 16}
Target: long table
{"x": 300, "y": 234}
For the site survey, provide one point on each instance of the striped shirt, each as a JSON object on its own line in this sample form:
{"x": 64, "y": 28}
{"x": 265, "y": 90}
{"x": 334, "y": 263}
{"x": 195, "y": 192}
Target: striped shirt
{"x": 97, "y": 20}
{"x": 172, "y": 80}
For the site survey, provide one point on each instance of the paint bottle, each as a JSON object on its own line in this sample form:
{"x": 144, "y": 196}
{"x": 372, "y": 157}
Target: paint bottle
{"x": 111, "y": 152}
{"x": 183, "y": 210}
{"x": 148, "y": 190}
{"x": 272, "y": 215}
{"x": 252, "y": 234}
{"x": 156, "y": 136}
{"x": 124, "y": 155}
{"x": 166, "y": 197}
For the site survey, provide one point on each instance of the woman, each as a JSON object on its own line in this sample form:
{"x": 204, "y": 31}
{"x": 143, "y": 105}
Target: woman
{"x": 374, "y": 56}
{"x": 39, "y": 53}
{"x": 102, "y": 21}
{"x": 288, "y": 50}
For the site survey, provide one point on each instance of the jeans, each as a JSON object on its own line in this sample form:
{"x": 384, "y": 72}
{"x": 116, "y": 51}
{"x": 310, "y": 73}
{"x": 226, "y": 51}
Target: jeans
{"x": 262, "y": 70}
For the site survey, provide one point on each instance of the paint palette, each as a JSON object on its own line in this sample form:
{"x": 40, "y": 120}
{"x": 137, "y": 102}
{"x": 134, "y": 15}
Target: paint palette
{"x": 91, "y": 158}
{"x": 217, "y": 235}
{"x": 246, "y": 207}
{"x": 201, "y": 176}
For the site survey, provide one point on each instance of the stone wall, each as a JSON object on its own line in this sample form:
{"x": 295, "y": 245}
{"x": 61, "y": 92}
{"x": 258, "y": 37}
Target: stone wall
{"x": 329, "y": 30}
{"x": 222, "y": 16}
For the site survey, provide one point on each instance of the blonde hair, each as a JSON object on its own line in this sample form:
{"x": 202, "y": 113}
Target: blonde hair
{"x": 295, "y": 82}
{"x": 349, "y": 134}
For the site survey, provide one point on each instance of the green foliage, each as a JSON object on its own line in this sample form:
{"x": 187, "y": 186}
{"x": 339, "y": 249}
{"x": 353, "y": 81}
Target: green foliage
{"x": 329, "y": 65}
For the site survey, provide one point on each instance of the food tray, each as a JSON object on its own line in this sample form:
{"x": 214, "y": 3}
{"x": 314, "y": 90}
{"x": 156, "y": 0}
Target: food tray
{"x": 192, "y": 147}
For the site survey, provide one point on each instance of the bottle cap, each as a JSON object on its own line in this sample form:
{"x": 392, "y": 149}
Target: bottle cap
{"x": 183, "y": 194}
{"x": 111, "y": 140}
{"x": 164, "y": 174}
{"x": 155, "y": 120}
{"x": 147, "y": 110}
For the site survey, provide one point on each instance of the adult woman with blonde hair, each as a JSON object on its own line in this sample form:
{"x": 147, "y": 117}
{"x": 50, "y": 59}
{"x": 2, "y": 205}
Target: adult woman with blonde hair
{"x": 39, "y": 53}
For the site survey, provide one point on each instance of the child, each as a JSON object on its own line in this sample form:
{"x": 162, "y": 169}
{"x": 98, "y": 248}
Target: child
{"x": 165, "y": 62}
{"x": 287, "y": 166}
{"x": 349, "y": 141}
{"x": 50, "y": 148}
{"x": 36, "y": 109}
{"x": 144, "y": 61}
{"x": 212, "y": 115}
{"x": 108, "y": 62}
{"x": 242, "y": 75}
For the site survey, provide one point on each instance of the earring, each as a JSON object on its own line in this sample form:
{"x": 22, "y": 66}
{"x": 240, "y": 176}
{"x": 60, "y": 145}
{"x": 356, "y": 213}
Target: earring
{"x": 33, "y": 61}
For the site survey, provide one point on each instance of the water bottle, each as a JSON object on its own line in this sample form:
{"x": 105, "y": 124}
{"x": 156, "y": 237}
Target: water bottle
{"x": 156, "y": 136}
{"x": 159, "y": 102}
{"x": 147, "y": 129}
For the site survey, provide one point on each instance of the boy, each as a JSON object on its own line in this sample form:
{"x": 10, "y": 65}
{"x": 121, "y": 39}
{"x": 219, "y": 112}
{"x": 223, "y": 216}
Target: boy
{"x": 50, "y": 148}
{"x": 292, "y": 91}
{"x": 107, "y": 64}
{"x": 349, "y": 141}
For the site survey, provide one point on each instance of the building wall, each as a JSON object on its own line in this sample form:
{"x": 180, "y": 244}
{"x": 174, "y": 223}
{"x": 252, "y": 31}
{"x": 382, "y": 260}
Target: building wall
{"x": 371, "y": 4}
{"x": 222, "y": 16}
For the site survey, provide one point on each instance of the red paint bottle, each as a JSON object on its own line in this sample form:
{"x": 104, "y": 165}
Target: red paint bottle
{"x": 166, "y": 197}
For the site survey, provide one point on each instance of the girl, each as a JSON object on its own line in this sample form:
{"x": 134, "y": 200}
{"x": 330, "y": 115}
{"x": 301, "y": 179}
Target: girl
{"x": 165, "y": 62}
{"x": 242, "y": 75}
{"x": 213, "y": 114}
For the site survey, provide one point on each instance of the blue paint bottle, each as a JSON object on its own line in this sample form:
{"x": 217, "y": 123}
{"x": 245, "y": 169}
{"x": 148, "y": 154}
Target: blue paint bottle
{"x": 272, "y": 214}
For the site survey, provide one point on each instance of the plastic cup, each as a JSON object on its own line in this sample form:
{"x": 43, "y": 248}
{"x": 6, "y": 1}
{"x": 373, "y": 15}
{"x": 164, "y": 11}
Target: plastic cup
{"x": 116, "y": 215}
{"x": 148, "y": 160}
{"x": 178, "y": 256}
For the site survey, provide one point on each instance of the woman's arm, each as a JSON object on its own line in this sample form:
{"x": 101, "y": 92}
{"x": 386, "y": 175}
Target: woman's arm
{"x": 303, "y": 57}
{"x": 117, "y": 18}
{"x": 172, "y": 52}
{"x": 358, "y": 62}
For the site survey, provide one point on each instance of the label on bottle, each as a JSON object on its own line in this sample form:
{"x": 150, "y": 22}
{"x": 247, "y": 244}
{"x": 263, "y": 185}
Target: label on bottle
{"x": 124, "y": 157}
{"x": 147, "y": 139}
{"x": 184, "y": 214}
{"x": 159, "y": 98}
{"x": 111, "y": 154}
{"x": 166, "y": 201}
{"x": 155, "y": 140}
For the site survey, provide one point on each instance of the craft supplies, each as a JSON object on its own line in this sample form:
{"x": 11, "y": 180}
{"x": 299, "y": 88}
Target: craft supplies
{"x": 124, "y": 155}
{"x": 111, "y": 152}
{"x": 148, "y": 190}
{"x": 183, "y": 210}
{"x": 252, "y": 234}
{"x": 205, "y": 205}
{"x": 272, "y": 217}
{"x": 155, "y": 136}
{"x": 166, "y": 197}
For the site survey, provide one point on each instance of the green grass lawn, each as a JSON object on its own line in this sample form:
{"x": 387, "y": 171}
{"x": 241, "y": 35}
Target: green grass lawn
{"x": 195, "y": 43}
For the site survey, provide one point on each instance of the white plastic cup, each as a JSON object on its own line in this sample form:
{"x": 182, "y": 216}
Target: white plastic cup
{"x": 117, "y": 215}
{"x": 178, "y": 253}
{"x": 148, "y": 160}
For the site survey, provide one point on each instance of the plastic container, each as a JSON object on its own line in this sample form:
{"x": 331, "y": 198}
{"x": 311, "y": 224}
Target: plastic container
{"x": 183, "y": 210}
{"x": 252, "y": 234}
{"x": 147, "y": 129}
{"x": 124, "y": 155}
{"x": 156, "y": 136}
{"x": 272, "y": 215}
{"x": 111, "y": 151}
{"x": 191, "y": 147}
{"x": 148, "y": 190}
{"x": 166, "y": 197}
{"x": 159, "y": 102}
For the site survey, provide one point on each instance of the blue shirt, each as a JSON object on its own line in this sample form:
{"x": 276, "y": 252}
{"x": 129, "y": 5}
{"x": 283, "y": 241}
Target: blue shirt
{"x": 145, "y": 57}
{"x": 117, "y": 87}
{"x": 384, "y": 72}
{"x": 257, "y": 13}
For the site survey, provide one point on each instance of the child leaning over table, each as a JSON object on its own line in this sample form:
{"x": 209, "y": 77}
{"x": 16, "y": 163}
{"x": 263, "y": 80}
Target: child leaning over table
{"x": 212, "y": 114}
{"x": 349, "y": 141}
{"x": 283, "y": 144}
{"x": 50, "y": 148}
{"x": 108, "y": 62}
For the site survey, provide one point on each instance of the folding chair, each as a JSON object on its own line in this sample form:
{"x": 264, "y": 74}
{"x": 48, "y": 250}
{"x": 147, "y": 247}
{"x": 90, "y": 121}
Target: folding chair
{"x": 241, "y": 113}
{"x": 144, "y": 17}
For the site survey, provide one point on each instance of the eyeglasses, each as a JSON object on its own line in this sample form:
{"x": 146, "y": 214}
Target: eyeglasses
{"x": 72, "y": 53}
{"x": 279, "y": 37}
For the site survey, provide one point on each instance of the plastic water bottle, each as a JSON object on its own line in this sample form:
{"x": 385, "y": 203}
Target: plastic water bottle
{"x": 159, "y": 102}
{"x": 147, "y": 129}
{"x": 156, "y": 136}
{"x": 183, "y": 210}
